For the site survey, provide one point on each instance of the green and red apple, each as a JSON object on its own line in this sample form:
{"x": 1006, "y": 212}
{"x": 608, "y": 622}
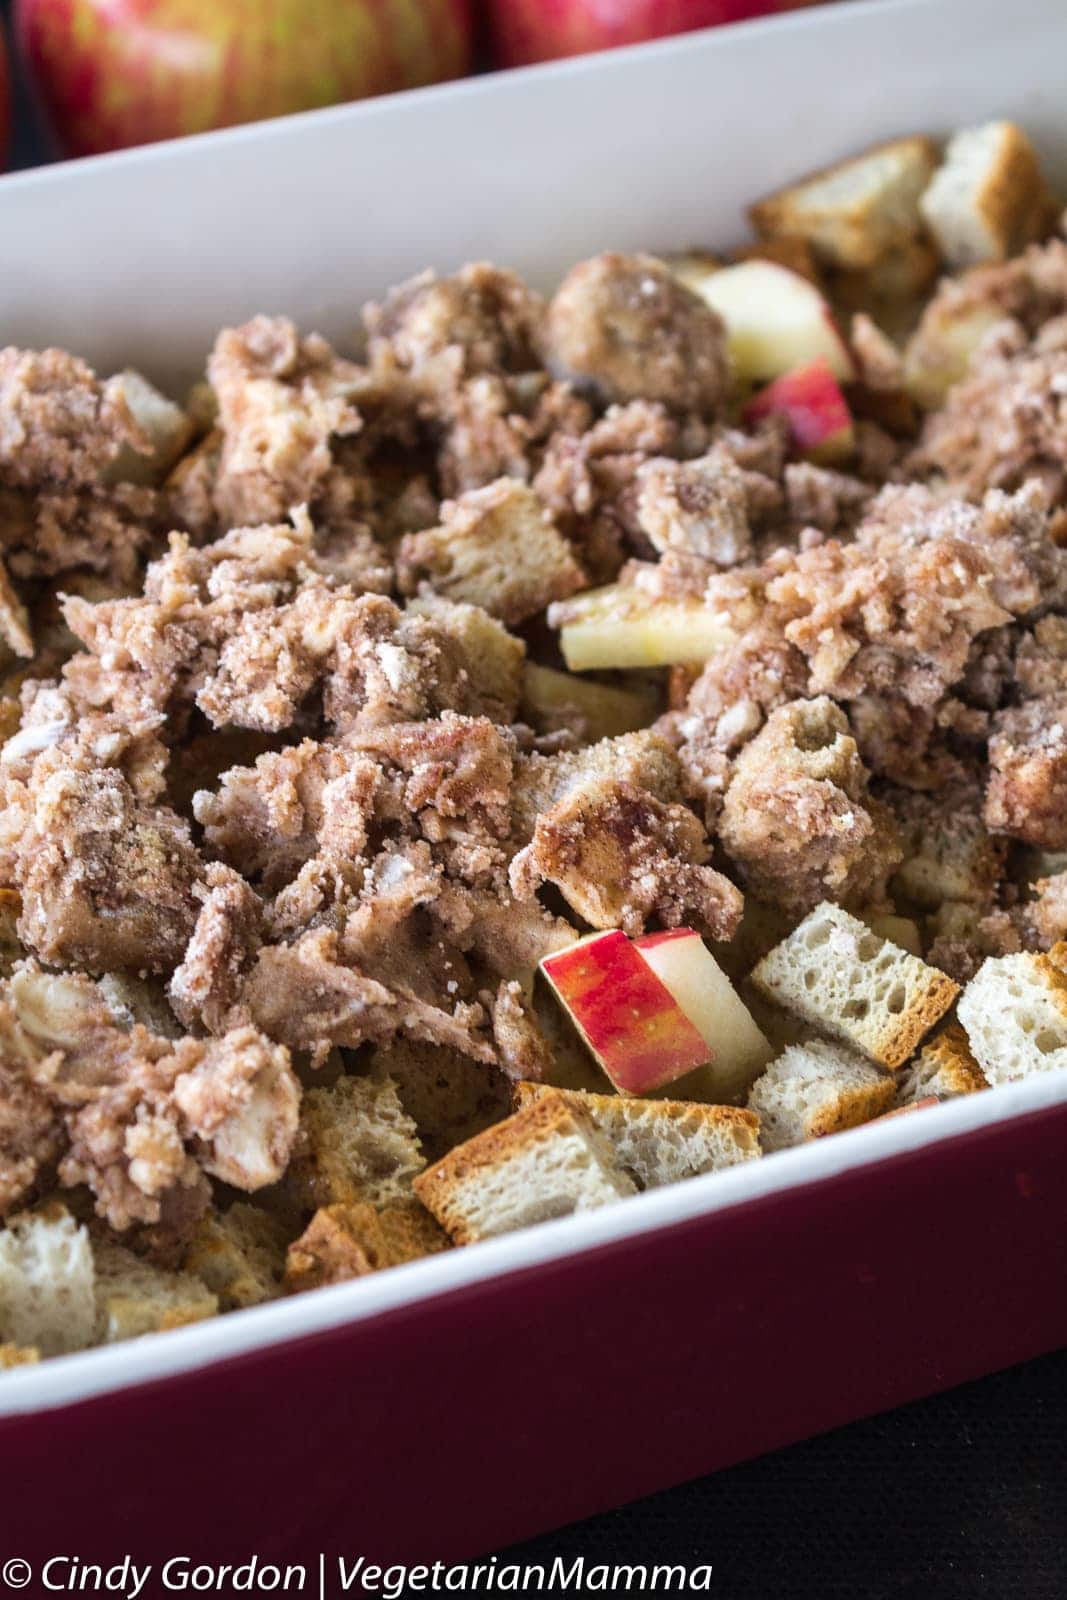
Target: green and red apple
{"x": 775, "y": 320}
{"x": 113, "y": 73}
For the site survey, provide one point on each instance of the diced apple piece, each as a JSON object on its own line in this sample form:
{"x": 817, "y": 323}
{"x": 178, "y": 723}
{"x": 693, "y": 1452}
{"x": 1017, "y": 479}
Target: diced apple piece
{"x": 165, "y": 425}
{"x": 627, "y": 1017}
{"x": 622, "y": 626}
{"x": 820, "y": 422}
{"x": 549, "y": 697}
{"x": 775, "y": 321}
{"x": 685, "y": 966}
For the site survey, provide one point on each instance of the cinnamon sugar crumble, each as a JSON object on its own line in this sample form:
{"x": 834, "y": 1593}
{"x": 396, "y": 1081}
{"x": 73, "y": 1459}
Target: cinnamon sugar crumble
{"x": 266, "y": 766}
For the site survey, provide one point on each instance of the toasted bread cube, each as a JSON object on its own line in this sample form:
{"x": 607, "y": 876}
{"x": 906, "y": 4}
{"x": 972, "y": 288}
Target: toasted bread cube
{"x": 349, "y": 1241}
{"x": 18, "y": 1355}
{"x": 553, "y": 700}
{"x": 46, "y": 1282}
{"x": 983, "y": 200}
{"x": 949, "y": 853}
{"x": 814, "y": 1089}
{"x": 240, "y": 1255}
{"x": 134, "y": 1297}
{"x": 449, "y": 1096}
{"x": 546, "y": 1161}
{"x": 496, "y": 547}
{"x": 660, "y": 1141}
{"x": 845, "y": 981}
{"x": 853, "y": 212}
{"x": 495, "y": 657}
{"x": 944, "y": 1068}
{"x": 1014, "y": 1012}
{"x": 356, "y": 1143}
{"x": 785, "y": 250}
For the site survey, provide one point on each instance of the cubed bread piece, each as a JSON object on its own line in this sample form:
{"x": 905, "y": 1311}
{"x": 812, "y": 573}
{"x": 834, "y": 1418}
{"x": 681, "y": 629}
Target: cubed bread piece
{"x": 814, "y": 1089}
{"x": 546, "y": 1161}
{"x": 660, "y": 1141}
{"x": 496, "y": 547}
{"x": 944, "y": 1067}
{"x": 785, "y": 250}
{"x": 239, "y": 1254}
{"x": 449, "y": 1096}
{"x": 494, "y": 656}
{"x": 350, "y": 1241}
{"x": 46, "y": 1282}
{"x": 356, "y": 1143}
{"x": 643, "y": 760}
{"x": 1014, "y": 1012}
{"x": 845, "y": 981}
{"x": 984, "y": 199}
{"x": 18, "y": 1355}
{"x": 852, "y": 212}
{"x": 949, "y": 853}
{"x": 135, "y": 1297}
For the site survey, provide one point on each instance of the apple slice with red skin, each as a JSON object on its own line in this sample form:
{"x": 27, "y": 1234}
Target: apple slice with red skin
{"x": 626, "y": 1016}
{"x": 810, "y": 399}
{"x": 775, "y": 320}
{"x": 683, "y": 963}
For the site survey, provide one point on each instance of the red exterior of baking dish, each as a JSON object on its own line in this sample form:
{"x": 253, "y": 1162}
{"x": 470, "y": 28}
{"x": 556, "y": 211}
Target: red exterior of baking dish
{"x": 452, "y": 1427}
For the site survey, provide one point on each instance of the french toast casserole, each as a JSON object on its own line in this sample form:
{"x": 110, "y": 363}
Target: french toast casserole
{"x": 580, "y": 744}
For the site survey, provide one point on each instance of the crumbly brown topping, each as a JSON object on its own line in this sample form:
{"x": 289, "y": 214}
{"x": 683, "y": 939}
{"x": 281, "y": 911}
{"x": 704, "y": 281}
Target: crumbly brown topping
{"x": 265, "y": 774}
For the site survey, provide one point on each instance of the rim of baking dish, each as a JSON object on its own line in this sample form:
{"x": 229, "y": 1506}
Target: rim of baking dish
{"x": 64, "y": 1380}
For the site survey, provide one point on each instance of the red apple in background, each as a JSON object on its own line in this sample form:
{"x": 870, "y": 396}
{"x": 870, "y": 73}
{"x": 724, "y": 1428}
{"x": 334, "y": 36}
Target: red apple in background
{"x": 112, "y": 73}
{"x": 540, "y": 30}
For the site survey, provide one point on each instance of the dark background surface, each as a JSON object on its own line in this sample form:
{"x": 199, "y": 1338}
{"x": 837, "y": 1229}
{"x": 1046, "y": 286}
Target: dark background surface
{"x": 958, "y": 1497}
{"x": 955, "y": 1498}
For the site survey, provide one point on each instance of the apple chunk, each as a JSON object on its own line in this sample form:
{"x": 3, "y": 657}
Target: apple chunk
{"x": 739, "y": 1052}
{"x": 810, "y": 399}
{"x": 621, "y": 626}
{"x": 627, "y": 1017}
{"x": 551, "y": 699}
{"x": 775, "y": 321}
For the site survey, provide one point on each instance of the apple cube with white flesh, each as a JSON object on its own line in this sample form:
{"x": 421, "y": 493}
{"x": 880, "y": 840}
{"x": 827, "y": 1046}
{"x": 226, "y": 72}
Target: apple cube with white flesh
{"x": 627, "y": 1017}
{"x": 622, "y": 626}
{"x": 775, "y": 321}
{"x": 686, "y": 967}
{"x": 550, "y": 697}
{"x": 810, "y": 399}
